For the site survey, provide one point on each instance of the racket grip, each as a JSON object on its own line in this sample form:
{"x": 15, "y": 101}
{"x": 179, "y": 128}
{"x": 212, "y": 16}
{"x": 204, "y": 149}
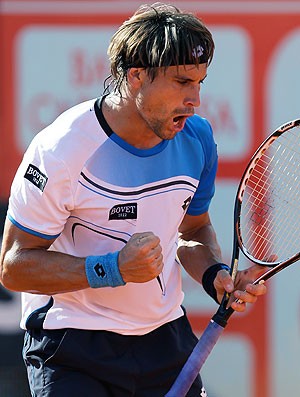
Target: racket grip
{"x": 194, "y": 363}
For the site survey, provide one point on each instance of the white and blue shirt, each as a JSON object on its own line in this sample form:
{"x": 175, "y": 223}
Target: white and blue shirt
{"x": 82, "y": 184}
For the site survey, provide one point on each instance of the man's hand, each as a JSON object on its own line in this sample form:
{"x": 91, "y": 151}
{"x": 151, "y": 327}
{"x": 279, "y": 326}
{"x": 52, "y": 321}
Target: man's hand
{"x": 242, "y": 288}
{"x": 141, "y": 259}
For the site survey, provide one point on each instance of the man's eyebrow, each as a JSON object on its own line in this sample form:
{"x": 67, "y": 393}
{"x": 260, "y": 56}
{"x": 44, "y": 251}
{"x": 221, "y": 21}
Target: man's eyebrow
{"x": 182, "y": 77}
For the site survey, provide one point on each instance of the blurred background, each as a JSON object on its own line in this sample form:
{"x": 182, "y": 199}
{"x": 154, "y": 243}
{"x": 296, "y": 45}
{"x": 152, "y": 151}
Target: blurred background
{"x": 53, "y": 55}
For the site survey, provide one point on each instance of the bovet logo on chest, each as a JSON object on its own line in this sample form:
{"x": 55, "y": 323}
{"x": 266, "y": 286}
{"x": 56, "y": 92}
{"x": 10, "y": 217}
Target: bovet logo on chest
{"x": 123, "y": 211}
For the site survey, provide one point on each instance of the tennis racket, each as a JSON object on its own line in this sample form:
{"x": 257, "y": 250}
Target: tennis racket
{"x": 266, "y": 230}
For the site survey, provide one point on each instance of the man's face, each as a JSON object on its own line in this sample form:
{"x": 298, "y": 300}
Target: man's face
{"x": 165, "y": 103}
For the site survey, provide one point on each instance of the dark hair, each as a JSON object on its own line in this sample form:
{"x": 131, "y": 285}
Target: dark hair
{"x": 158, "y": 35}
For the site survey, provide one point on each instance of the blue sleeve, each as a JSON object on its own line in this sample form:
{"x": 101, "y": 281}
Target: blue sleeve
{"x": 206, "y": 187}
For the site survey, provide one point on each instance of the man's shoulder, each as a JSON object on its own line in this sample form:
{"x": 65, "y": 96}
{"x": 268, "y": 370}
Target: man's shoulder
{"x": 199, "y": 128}
{"x": 71, "y": 139}
{"x": 198, "y": 124}
{"x": 72, "y": 130}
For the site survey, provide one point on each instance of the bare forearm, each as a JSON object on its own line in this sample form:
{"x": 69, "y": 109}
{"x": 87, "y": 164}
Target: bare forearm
{"x": 43, "y": 272}
{"x": 27, "y": 264}
{"x": 199, "y": 250}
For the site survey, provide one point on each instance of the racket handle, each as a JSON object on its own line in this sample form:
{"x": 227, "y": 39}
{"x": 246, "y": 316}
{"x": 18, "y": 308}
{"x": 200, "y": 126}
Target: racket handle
{"x": 194, "y": 363}
{"x": 222, "y": 316}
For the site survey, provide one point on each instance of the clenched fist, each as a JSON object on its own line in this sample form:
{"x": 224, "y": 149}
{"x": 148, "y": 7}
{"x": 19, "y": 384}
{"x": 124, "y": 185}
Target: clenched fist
{"x": 141, "y": 259}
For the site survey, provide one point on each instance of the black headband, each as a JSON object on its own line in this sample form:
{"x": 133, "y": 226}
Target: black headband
{"x": 198, "y": 55}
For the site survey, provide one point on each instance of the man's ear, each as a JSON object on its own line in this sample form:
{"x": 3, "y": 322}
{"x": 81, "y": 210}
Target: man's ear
{"x": 135, "y": 76}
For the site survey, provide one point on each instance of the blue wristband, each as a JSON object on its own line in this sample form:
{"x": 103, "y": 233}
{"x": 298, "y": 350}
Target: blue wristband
{"x": 103, "y": 271}
{"x": 209, "y": 277}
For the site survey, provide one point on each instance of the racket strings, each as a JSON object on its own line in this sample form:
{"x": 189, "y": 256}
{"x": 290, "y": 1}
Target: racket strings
{"x": 264, "y": 235}
{"x": 267, "y": 186}
{"x": 270, "y": 210}
{"x": 263, "y": 238}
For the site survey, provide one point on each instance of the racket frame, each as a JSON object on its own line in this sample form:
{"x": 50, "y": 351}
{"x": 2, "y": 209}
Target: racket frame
{"x": 224, "y": 312}
{"x": 243, "y": 183}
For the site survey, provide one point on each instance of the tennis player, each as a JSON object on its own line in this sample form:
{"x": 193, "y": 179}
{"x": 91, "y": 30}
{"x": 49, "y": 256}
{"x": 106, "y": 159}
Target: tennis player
{"x": 107, "y": 202}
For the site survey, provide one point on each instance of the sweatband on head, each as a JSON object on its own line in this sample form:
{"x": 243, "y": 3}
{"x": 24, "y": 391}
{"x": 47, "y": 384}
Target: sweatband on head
{"x": 198, "y": 55}
{"x": 209, "y": 277}
{"x": 103, "y": 271}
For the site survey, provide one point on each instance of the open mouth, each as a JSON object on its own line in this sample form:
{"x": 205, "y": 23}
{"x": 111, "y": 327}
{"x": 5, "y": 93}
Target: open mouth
{"x": 178, "y": 119}
{"x": 179, "y": 122}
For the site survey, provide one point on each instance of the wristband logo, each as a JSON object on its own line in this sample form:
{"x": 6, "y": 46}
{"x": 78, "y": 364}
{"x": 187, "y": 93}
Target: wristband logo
{"x": 123, "y": 211}
{"x": 35, "y": 176}
{"x": 99, "y": 269}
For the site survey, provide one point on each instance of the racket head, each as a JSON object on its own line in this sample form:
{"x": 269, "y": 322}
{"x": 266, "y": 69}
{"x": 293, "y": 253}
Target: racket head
{"x": 267, "y": 207}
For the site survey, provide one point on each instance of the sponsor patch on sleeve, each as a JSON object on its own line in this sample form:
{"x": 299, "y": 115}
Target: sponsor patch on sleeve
{"x": 35, "y": 176}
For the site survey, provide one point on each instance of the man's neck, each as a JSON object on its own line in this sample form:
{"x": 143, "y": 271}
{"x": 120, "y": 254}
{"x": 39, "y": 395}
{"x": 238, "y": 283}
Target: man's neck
{"x": 123, "y": 118}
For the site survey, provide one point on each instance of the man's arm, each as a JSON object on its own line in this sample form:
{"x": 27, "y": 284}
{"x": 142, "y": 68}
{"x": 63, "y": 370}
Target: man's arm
{"x": 27, "y": 264}
{"x": 199, "y": 249}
